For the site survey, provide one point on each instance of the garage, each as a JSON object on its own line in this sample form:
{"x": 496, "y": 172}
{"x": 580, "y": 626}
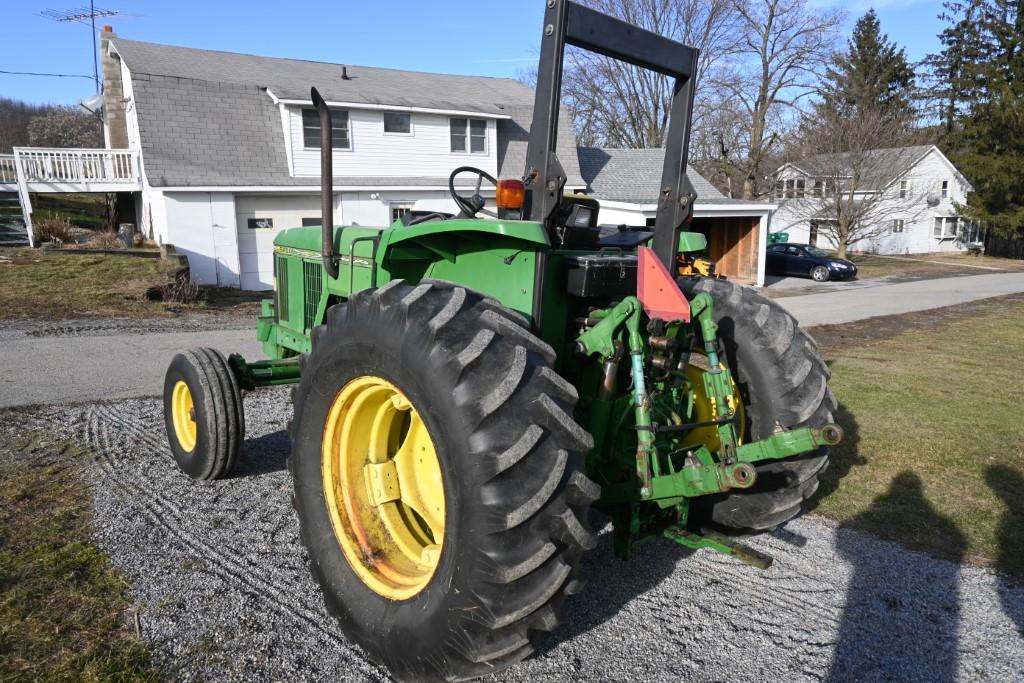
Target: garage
{"x": 626, "y": 183}
{"x": 259, "y": 219}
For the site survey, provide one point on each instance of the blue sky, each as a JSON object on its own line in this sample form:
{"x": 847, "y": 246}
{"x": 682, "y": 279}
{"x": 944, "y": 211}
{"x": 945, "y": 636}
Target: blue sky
{"x": 453, "y": 36}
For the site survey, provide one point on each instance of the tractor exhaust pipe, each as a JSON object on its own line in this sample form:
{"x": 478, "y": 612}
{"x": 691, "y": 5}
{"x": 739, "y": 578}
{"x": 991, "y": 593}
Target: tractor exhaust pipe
{"x": 327, "y": 255}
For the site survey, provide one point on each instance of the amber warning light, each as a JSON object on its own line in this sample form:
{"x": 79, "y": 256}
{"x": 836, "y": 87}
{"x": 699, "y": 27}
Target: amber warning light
{"x": 510, "y": 194}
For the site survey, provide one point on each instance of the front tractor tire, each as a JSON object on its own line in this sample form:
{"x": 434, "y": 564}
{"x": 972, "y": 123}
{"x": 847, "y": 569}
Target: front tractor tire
{"x": 438, "y": 478}
{"x": 783, "y": 383}
{"x": 203, "y": 413}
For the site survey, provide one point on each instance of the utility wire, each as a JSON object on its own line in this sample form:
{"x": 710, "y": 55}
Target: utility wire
{"x": 32, "y": 73}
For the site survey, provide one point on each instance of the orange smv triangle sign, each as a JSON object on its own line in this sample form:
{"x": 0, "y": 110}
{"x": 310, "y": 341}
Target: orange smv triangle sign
{"x": 657, "y": 291}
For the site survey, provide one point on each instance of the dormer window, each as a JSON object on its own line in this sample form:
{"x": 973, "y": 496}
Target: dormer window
{"x": 468, "y": 135}
{"x": 311, "y": 129}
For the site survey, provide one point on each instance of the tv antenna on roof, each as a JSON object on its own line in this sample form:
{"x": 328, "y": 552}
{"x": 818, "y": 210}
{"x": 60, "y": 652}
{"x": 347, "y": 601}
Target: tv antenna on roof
{"x": 84, "y": 15}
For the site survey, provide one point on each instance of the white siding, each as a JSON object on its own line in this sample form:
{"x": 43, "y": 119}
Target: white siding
{"x": 924, "y": 183}
{"x": 256, "y": 246}
{"x": 425, "y": 152}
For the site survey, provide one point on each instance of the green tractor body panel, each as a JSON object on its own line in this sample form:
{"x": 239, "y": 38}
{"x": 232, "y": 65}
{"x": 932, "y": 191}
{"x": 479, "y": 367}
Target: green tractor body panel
{"x": 495, "y": 258}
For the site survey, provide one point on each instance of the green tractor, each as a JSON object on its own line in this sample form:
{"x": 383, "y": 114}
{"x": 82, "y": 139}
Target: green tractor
{"x": 468, "y": 390}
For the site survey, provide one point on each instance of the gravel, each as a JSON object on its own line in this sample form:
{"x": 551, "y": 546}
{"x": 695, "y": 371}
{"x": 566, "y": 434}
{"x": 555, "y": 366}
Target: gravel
{"x": 92, "y": 327}
{"x": 224, "y": 592}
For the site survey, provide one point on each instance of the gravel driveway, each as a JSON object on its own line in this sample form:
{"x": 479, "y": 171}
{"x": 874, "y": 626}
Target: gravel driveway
{"x": 224, "y": 593}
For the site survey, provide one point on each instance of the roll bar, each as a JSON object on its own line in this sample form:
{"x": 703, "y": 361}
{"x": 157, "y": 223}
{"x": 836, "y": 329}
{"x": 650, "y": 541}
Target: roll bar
{"x": 567, "y": 23}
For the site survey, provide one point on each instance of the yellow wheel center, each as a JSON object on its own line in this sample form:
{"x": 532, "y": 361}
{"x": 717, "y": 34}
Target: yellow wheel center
{"x": 183, "y": 415}
{"x": 383, "y": 487}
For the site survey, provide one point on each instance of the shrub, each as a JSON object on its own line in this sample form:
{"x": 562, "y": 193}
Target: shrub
{"x": 107, "y": 239}
{"x": 182, "y": 291}
{"x": 52, "y": 230}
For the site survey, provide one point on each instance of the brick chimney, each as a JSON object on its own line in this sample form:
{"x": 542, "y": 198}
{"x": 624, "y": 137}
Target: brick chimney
{"x": 115, "y": 121}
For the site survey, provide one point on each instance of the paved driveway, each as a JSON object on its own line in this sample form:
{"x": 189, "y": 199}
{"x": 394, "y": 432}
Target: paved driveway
{"x": 78, "y": 364}
{"x": 859, "y": 301}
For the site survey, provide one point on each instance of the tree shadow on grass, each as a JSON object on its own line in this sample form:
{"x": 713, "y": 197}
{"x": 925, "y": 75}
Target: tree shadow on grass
{"x": 263, "y": 455}
{"x": 1008, "y": 484}
{"x": 901, "y": 619}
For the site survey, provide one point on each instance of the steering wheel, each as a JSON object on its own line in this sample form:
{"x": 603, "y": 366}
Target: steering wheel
{"x": 471, "y": 206}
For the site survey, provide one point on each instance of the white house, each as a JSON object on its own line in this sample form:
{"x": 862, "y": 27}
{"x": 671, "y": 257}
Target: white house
{"x": 229, "y": 148}
{"x": 909, "y": 194}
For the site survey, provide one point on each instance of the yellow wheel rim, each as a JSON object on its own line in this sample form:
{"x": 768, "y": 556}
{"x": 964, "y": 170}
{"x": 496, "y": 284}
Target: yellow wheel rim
{"x": 704, "y": 411}
{"x": 383, "y": 487}
{"x": 183, "y": 414}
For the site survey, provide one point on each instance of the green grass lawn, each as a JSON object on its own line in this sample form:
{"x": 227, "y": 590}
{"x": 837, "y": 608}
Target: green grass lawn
{"x": 934, "y": 455}
{"x": 63, "y": 609}
{"x": 42, "y": 284}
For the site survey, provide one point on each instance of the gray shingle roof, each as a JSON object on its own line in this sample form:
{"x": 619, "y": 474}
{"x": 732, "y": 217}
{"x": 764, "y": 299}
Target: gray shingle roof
{"x": 876, "y": 168}
{"x": 205, "y": 117}
{"x": 634, "y": 175}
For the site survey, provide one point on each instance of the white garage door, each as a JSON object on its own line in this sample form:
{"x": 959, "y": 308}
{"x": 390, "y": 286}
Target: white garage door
{"x": 260, "y": 218}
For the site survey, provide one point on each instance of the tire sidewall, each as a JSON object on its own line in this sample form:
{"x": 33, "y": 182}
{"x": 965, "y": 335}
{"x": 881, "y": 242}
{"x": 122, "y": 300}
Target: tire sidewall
{"x": 195, "y": 463}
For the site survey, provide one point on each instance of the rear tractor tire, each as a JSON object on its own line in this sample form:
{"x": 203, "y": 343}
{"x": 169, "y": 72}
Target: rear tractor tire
{"x": 783, "y": 383}
{"x": 438, "y": 478}
{"x": 203, "y": 413}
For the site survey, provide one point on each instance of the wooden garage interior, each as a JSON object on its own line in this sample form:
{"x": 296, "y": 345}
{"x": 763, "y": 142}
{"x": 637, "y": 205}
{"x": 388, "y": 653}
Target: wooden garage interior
{"x": 732, "y": 245}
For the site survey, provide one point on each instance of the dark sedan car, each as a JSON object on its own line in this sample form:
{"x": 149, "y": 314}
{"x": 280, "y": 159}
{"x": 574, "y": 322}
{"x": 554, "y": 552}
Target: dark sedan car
{"x": 807, "y": 260}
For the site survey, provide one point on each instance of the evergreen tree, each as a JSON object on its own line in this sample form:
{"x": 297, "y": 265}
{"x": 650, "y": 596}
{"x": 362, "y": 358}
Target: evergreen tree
{"x": 871, "y": 75}
{"x": 987, "y": 139}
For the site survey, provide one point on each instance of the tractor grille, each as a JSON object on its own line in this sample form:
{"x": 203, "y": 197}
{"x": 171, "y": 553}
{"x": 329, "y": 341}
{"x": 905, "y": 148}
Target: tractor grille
{"x": 282, "y": 289}
{"x": 313, "y": 273}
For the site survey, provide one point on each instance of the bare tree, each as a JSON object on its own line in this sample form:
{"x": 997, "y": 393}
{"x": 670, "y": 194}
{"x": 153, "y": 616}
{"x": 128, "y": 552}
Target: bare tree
{"x": 784, "y": 51}
{"x": 64, "y": 126}
{"x": 14, "y": 118}
{"x": 619, "y": 105}
{"x": 848, "y": 178}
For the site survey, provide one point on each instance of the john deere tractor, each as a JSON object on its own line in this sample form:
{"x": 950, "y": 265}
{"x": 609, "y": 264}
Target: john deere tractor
{"x": 468, "y": 389}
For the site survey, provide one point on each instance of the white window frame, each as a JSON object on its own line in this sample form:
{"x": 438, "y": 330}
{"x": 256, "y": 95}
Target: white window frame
{"x": 941, "y": 227}
{"x": 334, "y": 139}
{"x": 898, "y": 225}
{"x": 944, "y": 189}
{"x": 904, "y": 189}
{"x": 399, "y": 208}
{"x": 468, "y": 135}
{"x": 384, "y": 124}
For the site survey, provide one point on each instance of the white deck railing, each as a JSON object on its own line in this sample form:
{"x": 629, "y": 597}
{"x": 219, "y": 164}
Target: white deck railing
{"x": 8, "y": 174}
{"x": 73, "y": 166}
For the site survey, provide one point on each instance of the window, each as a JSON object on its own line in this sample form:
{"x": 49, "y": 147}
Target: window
{"x": 945, "y": 226}
{"x": 397, "y": 123}
{"x": 945, "y": 189}
{"x": 469, "y": 135}
{"x": 970, "y": 232}
{"x": 399, "y": 209}
{"x": 260, "y": 223}
{"x": 311, "y": 221}
{"x": 897, "y": 225}
{"x": 904, "y": 187}
{"x": 819, "y": 186}
{"x": 311, "y": 129}
{"x": 777, "y": 247}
